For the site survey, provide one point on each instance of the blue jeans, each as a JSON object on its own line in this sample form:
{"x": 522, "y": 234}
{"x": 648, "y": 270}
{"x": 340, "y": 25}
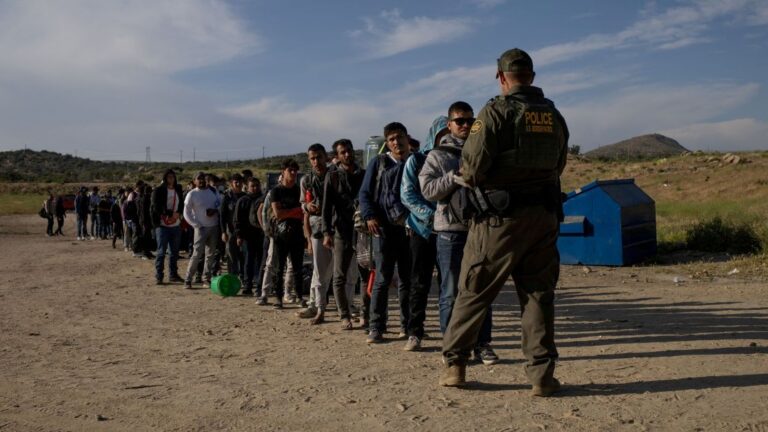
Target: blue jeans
{"x": 82, "y": 225}
{"x": 167, "y": 238}
{"x": 450, "y": 250}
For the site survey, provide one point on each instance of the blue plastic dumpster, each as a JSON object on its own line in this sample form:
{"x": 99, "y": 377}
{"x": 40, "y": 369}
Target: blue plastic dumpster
{"x": 608, "y": 222}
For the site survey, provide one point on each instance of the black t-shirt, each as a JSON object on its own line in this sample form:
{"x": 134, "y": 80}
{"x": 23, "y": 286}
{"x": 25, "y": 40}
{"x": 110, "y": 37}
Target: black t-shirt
{"x": 286, "y": 199}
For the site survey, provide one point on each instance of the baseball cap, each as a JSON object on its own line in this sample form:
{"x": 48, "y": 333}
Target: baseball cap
{"x": 515, "y": 60}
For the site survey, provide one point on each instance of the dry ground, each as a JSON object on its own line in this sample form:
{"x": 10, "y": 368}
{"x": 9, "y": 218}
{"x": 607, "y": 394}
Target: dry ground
{"x": 89, "y": 343}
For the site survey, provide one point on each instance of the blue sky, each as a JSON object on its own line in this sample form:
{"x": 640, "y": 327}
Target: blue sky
{"x": 232, "y": 79}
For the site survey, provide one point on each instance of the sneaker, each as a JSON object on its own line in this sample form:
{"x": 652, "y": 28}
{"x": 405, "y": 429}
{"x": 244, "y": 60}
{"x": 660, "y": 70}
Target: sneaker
{"x": 261, "y": 301}
{"x": 286, "y": 298}
{"x": 374, "y": 337}
{"x": 278, "y": 305}
{"x": 149, "y": 255}
{"x": 138, "y": 255}
{"x": 413, "y": 344}
{"x": 303, "y": 303}
{"x": 546, "y": 390}
{"x": 403, "y": 334}
{"x": 175, "y": 278}
{"x": 485, "y": 354}
{"x": 158, "y": 281}
{"x": 207, "y": 284}
{"x": 453, "y": 376}
{"x": 247, "y": 293}
{"x": 188, "y": 285}
{"x": 309, "y": 312}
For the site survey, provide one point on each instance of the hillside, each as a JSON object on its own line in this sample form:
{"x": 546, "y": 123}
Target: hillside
{"x": 650, "y": 146}
{"x": 51, "y": 167}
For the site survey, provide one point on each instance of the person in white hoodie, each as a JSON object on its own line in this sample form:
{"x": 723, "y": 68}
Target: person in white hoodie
{"x": 201, "y": 211}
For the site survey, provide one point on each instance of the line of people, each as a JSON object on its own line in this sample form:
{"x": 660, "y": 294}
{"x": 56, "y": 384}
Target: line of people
{"x": 477, "y": 203}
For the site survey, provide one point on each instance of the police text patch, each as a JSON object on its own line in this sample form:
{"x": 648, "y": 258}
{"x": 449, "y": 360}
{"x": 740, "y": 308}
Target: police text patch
{"x": 538, "y": 121}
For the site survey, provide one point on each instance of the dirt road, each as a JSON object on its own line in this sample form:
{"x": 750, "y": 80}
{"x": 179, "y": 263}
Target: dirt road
{"x": 88, "y": 342}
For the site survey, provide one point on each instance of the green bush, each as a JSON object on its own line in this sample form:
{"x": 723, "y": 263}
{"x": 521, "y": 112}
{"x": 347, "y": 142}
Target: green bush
{"x": 716, "y": 235}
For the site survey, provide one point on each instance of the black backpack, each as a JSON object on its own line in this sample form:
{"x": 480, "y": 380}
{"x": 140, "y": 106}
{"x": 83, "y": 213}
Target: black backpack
{"x": 253, "y": 212}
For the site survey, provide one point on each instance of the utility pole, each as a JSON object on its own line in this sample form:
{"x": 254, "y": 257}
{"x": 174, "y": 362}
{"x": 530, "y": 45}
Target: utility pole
{"x": 149, "y": 158}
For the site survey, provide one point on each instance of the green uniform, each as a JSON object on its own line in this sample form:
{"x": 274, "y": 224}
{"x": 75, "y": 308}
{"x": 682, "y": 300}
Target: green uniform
{"x": 518, "y": 144}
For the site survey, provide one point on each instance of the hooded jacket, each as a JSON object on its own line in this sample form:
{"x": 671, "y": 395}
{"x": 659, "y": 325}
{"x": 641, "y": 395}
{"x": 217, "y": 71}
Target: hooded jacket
{"x": 438, "y": 182}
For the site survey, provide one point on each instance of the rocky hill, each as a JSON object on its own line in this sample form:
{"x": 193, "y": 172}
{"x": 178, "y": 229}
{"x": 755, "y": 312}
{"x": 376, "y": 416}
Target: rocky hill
{"x": 652, "y": 146}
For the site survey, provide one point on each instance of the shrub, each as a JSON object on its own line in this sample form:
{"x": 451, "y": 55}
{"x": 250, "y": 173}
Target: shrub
{"x": 716, "y": 235}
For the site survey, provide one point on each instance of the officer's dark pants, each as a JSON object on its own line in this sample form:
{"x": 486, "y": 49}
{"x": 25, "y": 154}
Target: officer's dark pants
{"x": 525, "y": 246}
{"x": 391, "y": 248}
{"x": 423, "y": 254}
{"x": 343, "y": 254}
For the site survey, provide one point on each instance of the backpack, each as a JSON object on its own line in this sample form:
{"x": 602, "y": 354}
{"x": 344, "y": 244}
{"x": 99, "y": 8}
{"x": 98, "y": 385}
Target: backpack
{"x": 270, "y": 221}
{"x": 42, "y": 213}
{"x": 388, "y": 182}
{"x": 461, "y": 205}
{"x": 253, "y": 212}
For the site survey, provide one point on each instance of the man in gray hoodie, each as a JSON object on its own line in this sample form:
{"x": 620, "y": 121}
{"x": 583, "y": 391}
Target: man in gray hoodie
{"x": 438, "y": 183}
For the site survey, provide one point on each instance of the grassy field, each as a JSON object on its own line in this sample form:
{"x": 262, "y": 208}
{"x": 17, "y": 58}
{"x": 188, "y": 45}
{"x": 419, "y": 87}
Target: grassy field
{"x": 11, "y": 203}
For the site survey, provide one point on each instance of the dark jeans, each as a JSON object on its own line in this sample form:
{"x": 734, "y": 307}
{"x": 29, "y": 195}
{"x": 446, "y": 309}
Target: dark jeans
{"x": 82, "y": 225}
{"x": 104, "y": 225}
{"x": 390, "y": 248}
{"x": 167, "y": 238}
{"x": 450, "y": 250}
{"x": 94, "y": 224}
{"x": 49, "y": 227}
{"x": 59, "y": 224}
{"x": 234, "y": 257}
{"x": 253, "y": 251}
{"x": 423, "y": 253}
{"x": 343, "y": 254}
{"x": 289, "y": 246}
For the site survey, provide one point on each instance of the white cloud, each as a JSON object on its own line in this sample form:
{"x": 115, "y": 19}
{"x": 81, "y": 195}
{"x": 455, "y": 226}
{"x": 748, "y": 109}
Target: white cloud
{"x": 730, "y": 135}
{"x": 487, "y": 4}
{"x": 673, "y": 28}
{"x": 392, "y": 34}
{"x": 83, "y": 39}
{"x": 646, "y": 109}
{"x": 95, "y": 77}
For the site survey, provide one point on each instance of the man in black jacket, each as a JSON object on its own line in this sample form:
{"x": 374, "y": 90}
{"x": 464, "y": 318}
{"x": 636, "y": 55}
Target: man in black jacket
{"x": 341, "y": 188}
{"x": 166, "y": 209}
{"x": 248, "y": 234}
{"x": 229, "y": 200}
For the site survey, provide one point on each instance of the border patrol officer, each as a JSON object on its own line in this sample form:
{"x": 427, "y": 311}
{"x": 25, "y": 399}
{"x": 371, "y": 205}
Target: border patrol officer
{"x": 512, "y": 159}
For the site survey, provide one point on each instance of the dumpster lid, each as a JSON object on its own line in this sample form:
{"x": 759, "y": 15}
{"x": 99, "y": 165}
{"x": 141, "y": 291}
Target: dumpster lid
{"x": 597, "y": 183}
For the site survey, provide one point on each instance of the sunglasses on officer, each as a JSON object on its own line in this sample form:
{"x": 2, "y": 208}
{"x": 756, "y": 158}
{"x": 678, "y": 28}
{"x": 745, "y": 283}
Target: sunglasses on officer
{"x": 461, "y": 121}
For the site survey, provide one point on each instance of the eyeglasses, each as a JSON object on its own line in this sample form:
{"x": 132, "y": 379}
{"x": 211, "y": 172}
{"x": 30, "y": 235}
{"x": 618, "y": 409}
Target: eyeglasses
{"x": 461, "y": 121}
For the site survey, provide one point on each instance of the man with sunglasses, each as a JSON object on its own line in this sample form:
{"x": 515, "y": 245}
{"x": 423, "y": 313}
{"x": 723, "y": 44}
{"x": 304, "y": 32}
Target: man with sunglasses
{"x": 438, "y": 183}
{"x": 513, "y": 157}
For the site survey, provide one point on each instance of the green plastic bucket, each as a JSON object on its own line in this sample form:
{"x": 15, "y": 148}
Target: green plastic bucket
{"x": 225, "y": 285}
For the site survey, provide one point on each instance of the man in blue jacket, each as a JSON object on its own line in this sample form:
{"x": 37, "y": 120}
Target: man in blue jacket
{"x": 390, "y": 240}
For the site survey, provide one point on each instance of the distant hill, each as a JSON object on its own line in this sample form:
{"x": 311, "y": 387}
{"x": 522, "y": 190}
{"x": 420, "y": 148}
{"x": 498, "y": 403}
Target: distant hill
{"x": 51, "y": 167}
{"x": 650, "y": 146}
